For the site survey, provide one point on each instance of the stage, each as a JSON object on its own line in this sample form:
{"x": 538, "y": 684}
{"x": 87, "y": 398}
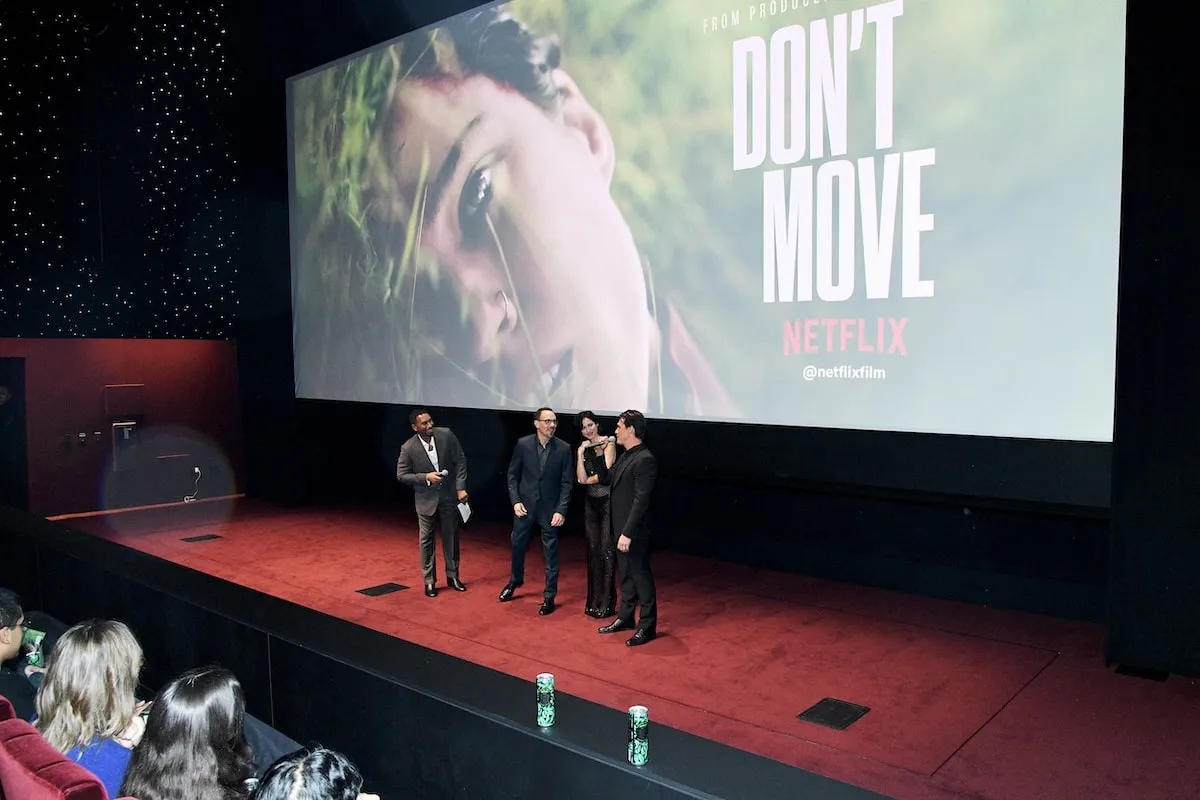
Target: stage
{"x": 964, "y": 701}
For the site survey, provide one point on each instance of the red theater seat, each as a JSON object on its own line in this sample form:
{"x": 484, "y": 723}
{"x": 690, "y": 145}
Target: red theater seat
{"x": 30, "y": 769}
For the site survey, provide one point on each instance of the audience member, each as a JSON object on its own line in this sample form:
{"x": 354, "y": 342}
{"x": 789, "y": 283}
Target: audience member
{"x": 194, "y": 746}
{"x": 312, "y": 773}
{"x": 32, "y": 658}
{"x": 195, "y": 740}
{"x": 86, "y": 707}
{"x": 13, "y": 684}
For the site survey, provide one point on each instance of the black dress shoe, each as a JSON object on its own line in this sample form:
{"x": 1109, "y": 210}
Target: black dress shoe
{"x": 506, "y": 593}
{"x": 547, "y": 607}
{"x": 456, "y": 585}
{"x": 430, "y": 591}
{"x": 617, "y": 624}
{"x": 641, "y": 637}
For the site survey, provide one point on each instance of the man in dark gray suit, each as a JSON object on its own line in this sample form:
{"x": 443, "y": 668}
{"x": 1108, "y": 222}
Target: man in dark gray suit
{"x": 539, "y": 488}
{"x": 423, "y": 459}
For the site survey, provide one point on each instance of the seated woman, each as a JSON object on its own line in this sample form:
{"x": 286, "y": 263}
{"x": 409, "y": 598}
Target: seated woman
{"x": 86, "y": 706}
{"x": 313, "y": 773}
{"x": 194, "y": 745}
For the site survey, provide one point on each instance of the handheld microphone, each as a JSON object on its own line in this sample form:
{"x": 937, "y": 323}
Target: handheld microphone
{"x": 603, "y": 440}
{"x": 444, "y": 473}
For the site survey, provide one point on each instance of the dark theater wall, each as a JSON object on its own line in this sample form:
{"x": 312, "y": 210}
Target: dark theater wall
{"x": 188, "y": 412}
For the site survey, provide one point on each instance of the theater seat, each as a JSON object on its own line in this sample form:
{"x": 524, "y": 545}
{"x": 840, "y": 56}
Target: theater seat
{"x": 6, "y": 712}
{"x": 30, "y": 769}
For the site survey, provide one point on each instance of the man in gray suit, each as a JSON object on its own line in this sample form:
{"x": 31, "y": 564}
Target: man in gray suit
{"x": 423, "y": 460}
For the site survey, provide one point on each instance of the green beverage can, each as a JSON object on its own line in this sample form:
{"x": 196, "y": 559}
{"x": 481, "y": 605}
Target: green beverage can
{"x": 545, "y": 700}
{"x": 31, "y": 643}
{"x": 639, "y": 735}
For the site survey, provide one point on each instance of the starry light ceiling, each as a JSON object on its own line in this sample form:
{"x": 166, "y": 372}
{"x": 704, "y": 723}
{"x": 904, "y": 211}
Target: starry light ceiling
{"x": 117, "y": 151}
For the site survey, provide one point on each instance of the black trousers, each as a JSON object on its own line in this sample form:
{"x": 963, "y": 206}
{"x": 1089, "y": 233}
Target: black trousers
{"x": 447, "y": 511}
{"x": 601, "y": 552}
{"x": 267, "y": 745}
{"x": 637, "y": 585}
{"x": 521, "y": 533}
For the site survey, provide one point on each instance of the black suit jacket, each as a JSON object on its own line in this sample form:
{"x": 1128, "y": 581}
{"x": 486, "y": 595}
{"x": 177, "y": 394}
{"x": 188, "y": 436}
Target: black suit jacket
{"x": 528, "y": 483}
{"x": 414, "y": 464}
{"x": 632, "y": 483}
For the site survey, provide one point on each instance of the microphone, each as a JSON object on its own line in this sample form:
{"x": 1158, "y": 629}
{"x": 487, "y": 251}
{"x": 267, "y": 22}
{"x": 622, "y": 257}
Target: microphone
{"x": 444, "y": 473}
{"x": 603, "y": 440}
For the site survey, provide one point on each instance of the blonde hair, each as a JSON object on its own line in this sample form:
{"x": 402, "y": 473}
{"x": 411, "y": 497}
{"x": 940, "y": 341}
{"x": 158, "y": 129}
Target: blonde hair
{"x": 89, "y": 689}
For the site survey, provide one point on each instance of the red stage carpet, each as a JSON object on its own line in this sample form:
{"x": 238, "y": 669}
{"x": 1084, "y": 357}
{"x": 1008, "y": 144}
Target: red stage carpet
{"x": 966, "y": 702}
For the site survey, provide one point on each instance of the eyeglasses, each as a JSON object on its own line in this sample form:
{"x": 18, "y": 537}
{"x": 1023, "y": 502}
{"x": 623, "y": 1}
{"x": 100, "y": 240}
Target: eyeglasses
{"x": 548, "y": 421}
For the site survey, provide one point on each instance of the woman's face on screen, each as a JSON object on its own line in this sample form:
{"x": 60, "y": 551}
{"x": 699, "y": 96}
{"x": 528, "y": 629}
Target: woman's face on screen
{"x": 518, "y": 214}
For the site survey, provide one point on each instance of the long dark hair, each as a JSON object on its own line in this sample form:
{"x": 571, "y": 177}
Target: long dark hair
{"x": 194, "y": 744}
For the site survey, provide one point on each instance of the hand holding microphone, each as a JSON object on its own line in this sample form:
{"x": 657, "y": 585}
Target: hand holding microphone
{"x": 601, "y": 442}
{"x": 434, "y": 478}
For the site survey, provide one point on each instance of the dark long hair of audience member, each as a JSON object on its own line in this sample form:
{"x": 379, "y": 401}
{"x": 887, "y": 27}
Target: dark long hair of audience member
{"x": 313, "y": 773}
{"x": 194, "y": 745}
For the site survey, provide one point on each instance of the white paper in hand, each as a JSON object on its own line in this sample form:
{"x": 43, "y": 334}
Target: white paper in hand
{"x": 464, "y": 510}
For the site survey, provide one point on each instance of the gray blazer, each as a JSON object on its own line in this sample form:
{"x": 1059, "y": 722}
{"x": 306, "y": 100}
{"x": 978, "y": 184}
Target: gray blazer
{"x": 414, "y": 464}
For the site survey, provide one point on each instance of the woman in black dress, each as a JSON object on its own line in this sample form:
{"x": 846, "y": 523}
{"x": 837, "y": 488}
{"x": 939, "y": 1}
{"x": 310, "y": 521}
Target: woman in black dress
{"x": 594, "y": 459}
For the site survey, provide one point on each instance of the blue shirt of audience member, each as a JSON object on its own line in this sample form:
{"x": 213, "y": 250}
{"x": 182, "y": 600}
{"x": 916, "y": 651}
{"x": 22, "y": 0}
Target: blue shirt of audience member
{"x": 107, "y": 759}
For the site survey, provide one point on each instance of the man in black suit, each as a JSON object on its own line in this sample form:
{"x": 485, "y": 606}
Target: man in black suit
{"x": 631, "y": 484}
{"x": 539, "y": 488}
{"x": 422, "y": 460}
